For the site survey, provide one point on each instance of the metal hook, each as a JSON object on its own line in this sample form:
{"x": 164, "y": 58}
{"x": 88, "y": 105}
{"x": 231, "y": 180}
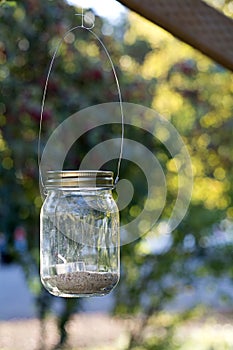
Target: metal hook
{"x": 86, "y": 18}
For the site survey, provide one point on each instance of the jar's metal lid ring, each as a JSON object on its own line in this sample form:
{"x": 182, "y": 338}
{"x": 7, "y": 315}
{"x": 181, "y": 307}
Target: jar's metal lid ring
{"x": 79, "y": 178}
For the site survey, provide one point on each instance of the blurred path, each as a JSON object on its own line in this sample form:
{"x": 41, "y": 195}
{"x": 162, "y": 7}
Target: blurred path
{"x": 16, "y": 301}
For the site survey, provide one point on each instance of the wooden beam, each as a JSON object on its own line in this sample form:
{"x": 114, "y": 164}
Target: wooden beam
{"x": 192, "y": 21}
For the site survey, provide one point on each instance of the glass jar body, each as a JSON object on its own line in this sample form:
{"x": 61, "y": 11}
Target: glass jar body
{"x": 80, "y": 254}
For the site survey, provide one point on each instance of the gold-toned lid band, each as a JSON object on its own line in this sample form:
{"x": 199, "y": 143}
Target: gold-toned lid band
{"x": 80, "y": 179}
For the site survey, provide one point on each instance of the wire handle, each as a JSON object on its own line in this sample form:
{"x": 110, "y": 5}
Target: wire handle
{"x": 89, "y": 29}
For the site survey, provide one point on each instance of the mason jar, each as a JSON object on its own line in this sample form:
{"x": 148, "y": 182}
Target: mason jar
{"x": 79, "y": 234}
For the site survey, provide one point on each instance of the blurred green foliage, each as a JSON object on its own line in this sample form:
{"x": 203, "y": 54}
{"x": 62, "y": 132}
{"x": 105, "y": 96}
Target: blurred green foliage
{"x": 156, "y": 70}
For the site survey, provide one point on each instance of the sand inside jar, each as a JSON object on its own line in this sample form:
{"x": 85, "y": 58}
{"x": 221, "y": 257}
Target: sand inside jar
{"x": 84, "y": 282}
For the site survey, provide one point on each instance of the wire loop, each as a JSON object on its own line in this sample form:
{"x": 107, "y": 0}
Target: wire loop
{"x": 84, "y": 17}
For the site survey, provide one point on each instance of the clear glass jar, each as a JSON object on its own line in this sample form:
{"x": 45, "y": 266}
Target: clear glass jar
{"x": 80, "y": 243}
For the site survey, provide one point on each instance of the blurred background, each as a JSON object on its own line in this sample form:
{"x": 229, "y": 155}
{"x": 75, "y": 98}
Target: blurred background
{"x": 176, "y": 291}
